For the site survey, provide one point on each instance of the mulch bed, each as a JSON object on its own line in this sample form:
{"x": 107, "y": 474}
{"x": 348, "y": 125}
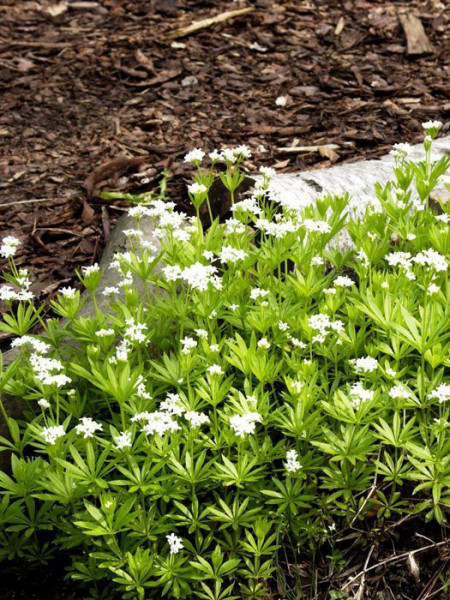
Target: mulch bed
{"x": 83, "y": 82}
{"x": 88, "y": 83}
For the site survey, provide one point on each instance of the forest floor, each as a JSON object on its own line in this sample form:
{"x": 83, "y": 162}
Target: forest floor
{"x": 94, "y": 83}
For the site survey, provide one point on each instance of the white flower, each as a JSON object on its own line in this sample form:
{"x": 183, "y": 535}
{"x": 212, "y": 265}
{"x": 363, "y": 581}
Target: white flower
{"x": 359, "y": 394}
{"x": 123, "y": 440}
{"x": 281, "y": 101}
{"x": 444, "y": 218}
{"x": 242, "y": 151}
{"x": 297, "y": 343}
{"x": 9, "y": 246}
{"x": 172, "y": 405}
{"x": 441, "y": 393}
{"x": 196, "y": 419}
{"x": 330, "y": 291}
{"x": 282, "y": 326}
{"x": 431, "y": 258}
{"x": 385, "y": 285}
{"x": 400, "y": 150}
{"x": 263, "y": 343}
{"x": 390, "y": 372}
{"x": 258, "y": 293}
{"x": 175, "y": 543}
{"x": 292, "y": 463}
{"x": 44, "y": 368}
{"x": 104, "y": 332}
{"x": 433, "y": 289}
{"x": 317, "y": 261}
{"x": 172, "y": 272}
{"x": 317, "y": 226}
{"x": 214, "y": 156}
{"x": 43, "y": 403}
{"x": 53, "y": 433}
{"x": 68, "y": 292}
{"x": 202, "y": 333}
{"x": 267, "y": 172}
{"x": 135, "y": 331}
{"x": 214, "y": 347}
{"x": 200, "y": 276}
{"x": 88, "y": 427}
{"x": 194, "y": 156}
{"x": 139, "y": 211}
{"x": 196, "y": 189}
{"x": 110, "y": 291}
{"x": 215, "y": 370}
{"x": 90, "y": 270}
{"x": 342, "y": 281}
{"x": 399, "y": 391}
{"x": 366, "y": 364}
{"x": 188, "y": 343}
{"x": 228, "y": 254}
{"x": 431, "y": 125}
{"x": 37, "y": 345}
{"x": 244, "y": 424}
{"x": 160, "y": 422}
{"x": 228, "y": 155}
{"x": 248, "y": 204}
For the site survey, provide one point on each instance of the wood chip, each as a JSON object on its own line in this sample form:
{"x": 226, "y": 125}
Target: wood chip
{"x": 418, "y": 43}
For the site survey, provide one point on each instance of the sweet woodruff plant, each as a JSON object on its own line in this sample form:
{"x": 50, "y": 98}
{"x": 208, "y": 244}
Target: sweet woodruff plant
{"x": 284, "y": 374}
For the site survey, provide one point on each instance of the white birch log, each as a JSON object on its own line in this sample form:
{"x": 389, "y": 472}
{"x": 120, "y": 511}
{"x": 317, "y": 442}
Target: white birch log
{"x": 358, "y": 178}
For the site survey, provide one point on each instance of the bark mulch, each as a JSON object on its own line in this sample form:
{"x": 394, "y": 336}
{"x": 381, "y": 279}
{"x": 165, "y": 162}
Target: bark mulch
{"x": 83, "y": 82}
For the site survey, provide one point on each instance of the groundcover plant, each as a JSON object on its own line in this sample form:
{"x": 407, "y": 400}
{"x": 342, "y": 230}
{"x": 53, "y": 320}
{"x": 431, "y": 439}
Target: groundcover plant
{"x": 282, "y": 375}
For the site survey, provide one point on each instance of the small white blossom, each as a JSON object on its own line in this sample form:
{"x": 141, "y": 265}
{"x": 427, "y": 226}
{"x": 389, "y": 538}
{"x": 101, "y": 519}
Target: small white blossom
{"x": 196, "y": 419}
{"x": 228, "y": 254}
{"x": 43, "y": 403}
{"x": 292, "y": 463}
{"x": 175, "y": 543}
{"x": 68, "y": 292}
{"x": 215, "y": 370}
{"x": 282, "y": 326}
{"x": 433, "y": 289}
{"x": 104, "y": 332}
{"x": 359, "y": 394}
{"x": 188, "y": 343}
{"x": 9, "y": 246}
{"x": 263, "y": 343}
{"x": 399, "y": 391}
{"x": 196, "y": 189}
{"x": 365, "y": 364}
{"x": 258, "y": 293}
{"x": 87, "y": 427}
{"x": 441, "y": 393}
{"x": 343, "y": 281}
{"x": 244, "y": 424}
{"x": 194, "y": 156}
{"x": 53, "y": 433}
{"x": 123, "y": 440}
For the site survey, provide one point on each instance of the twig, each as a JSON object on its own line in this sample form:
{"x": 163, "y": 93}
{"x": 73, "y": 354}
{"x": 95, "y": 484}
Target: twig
{"x": 394, "y": 559}
{"x": 299, "y": 149}
{"x": 197, "y": 25}
{"x": 31, "y": 201}
{"x": 360, "y": 592}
